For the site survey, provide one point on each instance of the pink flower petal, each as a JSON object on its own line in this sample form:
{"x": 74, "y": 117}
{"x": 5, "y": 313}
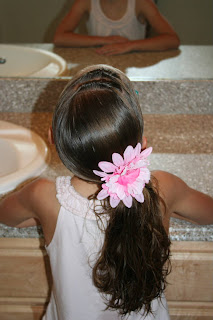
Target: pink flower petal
{"x": 102, "y": 194}
{"x": 129, "y": 154}
{"x": 114, "y": 178}
{"x": 137, "y": 149}
{"x": 99, "y": 173}
{"x": 141, "y": 163}
{"x": 135, "y": 188}
{"x": 146, "y": 152}
{"x": 127, "y": 201}
{"x": 106, "y": 166}
{"x": 117, "y": 159}
{"x": 144, "y": 175}
{"x": 119, "y": 190}
{"x": 139, "y": 197}
{"x": 112, "y": 187}
{"x": 129, "y": 177}
{"x": 114, "y": 202}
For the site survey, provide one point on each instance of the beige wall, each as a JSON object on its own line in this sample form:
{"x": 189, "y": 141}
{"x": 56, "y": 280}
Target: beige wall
{"x": 33, "y": 21}
{"x": 192, "y": 19}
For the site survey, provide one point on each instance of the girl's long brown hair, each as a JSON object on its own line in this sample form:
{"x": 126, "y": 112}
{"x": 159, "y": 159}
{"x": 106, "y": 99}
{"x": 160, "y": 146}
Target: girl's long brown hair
{"x": 98, "y": 114}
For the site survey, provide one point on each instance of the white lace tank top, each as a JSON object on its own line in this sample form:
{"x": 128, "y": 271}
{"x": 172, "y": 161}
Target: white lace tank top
{"x": 128, "y": 26}
{"x": 72, "y": 253}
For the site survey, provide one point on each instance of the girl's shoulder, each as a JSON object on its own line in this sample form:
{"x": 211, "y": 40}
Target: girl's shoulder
{"x": 169, "y": 186}
{"x": 145, "y": 5}
{"x": 41, "y": 193}
{"x": 171, "y": 189}
{"x": 82, "y": 4}
{"x": 44, "y": 193}
{"x": 46, "y": 205}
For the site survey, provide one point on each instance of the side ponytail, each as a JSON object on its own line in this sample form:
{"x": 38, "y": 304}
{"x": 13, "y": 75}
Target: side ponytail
{"x": 131, "y": 271}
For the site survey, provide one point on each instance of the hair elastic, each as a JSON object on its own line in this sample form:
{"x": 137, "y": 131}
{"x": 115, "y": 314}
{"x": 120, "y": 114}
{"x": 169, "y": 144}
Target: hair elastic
{"x": 125, "y": 177}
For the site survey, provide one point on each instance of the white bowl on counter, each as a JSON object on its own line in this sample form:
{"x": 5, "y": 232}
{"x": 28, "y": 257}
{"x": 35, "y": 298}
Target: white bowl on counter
{"x": 21, "y": 61}
{"x": 24, "y": 155}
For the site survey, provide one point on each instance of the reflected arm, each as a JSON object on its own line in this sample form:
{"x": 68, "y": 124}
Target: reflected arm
{"x": 166, "y": 38}
{"x": 65, "y": 35}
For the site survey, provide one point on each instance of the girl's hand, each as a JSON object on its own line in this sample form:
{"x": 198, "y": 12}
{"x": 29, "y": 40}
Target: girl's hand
{"x": 115, "y": 48}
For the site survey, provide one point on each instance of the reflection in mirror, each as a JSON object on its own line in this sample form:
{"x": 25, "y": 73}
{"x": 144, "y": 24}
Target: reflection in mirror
{"x": 22, "y": 61}
{"x": 192, "y": 60}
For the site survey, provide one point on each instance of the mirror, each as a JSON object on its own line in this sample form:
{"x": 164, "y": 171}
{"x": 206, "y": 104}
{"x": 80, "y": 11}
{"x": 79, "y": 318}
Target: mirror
{"x": 35, "y": 25}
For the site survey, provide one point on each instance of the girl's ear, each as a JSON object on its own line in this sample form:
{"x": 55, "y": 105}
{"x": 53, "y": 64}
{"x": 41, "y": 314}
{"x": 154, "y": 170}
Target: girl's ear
{"x": 144, "y": 143}
{"x": 50, "y": 136}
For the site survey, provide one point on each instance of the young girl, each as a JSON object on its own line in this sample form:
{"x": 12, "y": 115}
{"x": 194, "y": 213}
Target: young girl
{"x": 106, "y": 228}
{"x": 118, "y": 26}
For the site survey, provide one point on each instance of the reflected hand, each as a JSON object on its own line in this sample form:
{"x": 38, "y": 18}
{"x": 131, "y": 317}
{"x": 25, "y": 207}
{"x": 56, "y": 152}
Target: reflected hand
{"x": 116, "y": 48}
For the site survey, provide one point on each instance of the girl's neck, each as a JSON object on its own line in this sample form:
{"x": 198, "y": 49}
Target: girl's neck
{"x": 84, "y": 188}
{"x": 114, "y": 9}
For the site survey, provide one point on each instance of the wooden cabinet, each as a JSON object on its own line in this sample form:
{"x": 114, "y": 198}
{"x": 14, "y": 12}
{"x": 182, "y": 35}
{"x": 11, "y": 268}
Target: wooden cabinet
{"x": 25, "y": 280}
{"x": 190, "y": 293}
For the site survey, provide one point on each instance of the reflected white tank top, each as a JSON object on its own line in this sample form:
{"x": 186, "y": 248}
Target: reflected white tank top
{"x": 128, "y": 26}
{"x": 72, "y": 252}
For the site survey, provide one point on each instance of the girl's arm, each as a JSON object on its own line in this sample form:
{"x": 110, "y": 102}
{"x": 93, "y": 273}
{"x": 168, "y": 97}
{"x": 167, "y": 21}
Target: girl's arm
{"x": 165, "y": 39}
{"x": 34, "y": 202}
{"x": 65, "y": 35}
{"x": 184, "y": 202}
{"x": 18, "y": 207}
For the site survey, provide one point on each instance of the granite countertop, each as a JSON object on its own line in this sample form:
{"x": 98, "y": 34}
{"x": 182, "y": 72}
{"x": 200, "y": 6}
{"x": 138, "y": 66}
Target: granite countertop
{"x": 175, "y": 150}
{"x": 187, "y": 62}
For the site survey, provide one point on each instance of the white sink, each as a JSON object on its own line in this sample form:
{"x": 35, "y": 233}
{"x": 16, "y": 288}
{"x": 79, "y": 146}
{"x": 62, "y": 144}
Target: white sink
{"x": 21, "y": 61}
{"x": 23, "y": 155}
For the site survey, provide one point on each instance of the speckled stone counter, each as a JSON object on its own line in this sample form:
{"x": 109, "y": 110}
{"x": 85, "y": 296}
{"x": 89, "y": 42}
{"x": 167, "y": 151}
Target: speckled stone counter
{"x": 155, "y": 96}
{"x": 188, "y": 62}
{"x": 187, "y": 153}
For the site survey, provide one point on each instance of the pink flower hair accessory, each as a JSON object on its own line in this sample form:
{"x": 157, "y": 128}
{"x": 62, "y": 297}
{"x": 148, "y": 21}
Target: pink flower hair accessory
{"x": 125, "y": 177}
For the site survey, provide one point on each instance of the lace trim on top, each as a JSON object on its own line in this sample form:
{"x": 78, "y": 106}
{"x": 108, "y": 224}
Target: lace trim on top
{"x": 73, "y": 201}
